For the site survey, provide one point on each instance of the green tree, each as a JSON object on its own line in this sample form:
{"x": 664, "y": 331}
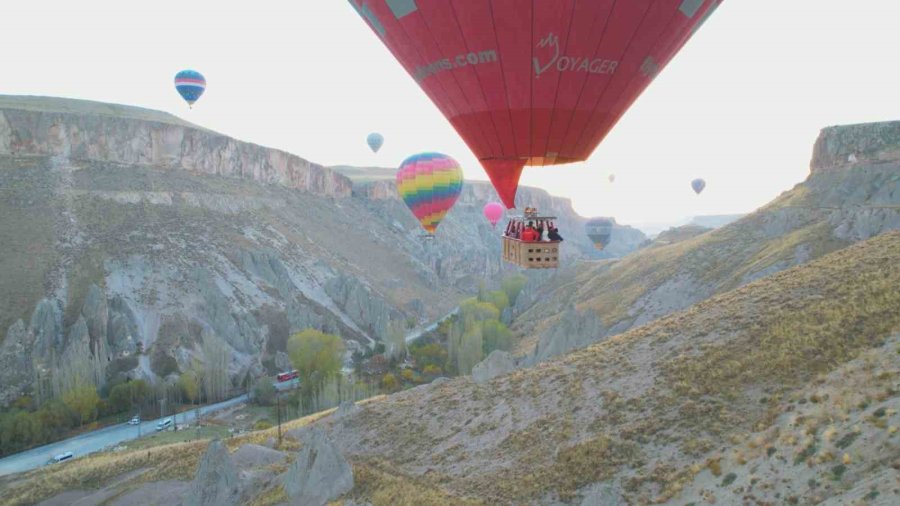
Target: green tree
{"x": 317, "y": 357}
{"x": 432, "y": 370}
{"x": 83, "y": 400}
{"x": 497, "y": 298}
{"x": 140, "y": 392}
{"x": 215, "y": 368}
{"x": 26, "y": 429}
{"x": 120, "y": 398}
{"x": 396, "y": 339}
{"x": 428, "y": 354}
{"x": 389, "y": 382}
{"x": 495, "y": 336}
{"x": 55, "y": 417}
{"x": 470, "y": 349}
{"x": 475, "y": 310}
{"x": 513, "y": 287}
{"x": 263, "y": 392}
{"x": 190, "y": 386}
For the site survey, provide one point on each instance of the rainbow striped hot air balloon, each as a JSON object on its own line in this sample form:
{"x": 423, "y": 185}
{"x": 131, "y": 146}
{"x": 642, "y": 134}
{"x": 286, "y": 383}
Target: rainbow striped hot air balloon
{"x": 429, "y": 184}
{"x": 190, "y": 85}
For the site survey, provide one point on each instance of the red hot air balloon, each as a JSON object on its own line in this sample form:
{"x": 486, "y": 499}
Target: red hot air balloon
{"x": 538, "y": 82}
{"x": 493, "y": 211}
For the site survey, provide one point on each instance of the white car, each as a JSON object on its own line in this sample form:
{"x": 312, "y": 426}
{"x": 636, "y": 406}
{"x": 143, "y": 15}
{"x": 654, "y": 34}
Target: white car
{"x": 62, "y": 457}
{"x": 163, "y": 425}
{"x": 135, "y": 420}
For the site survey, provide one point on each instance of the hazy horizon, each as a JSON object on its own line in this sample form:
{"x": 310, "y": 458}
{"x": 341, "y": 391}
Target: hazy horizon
{"x": 741, "y": 106}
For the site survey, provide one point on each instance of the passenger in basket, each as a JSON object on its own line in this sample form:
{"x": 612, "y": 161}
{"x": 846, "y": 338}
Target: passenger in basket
{"x": 530, "y": 234}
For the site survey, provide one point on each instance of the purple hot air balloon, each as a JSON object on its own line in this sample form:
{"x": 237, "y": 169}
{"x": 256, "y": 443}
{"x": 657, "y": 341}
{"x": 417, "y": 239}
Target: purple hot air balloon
{"x": 698, "y": 185}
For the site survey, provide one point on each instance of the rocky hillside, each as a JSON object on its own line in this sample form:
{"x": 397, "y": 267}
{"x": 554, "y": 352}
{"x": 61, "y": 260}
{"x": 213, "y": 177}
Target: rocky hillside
{"x": 840, "y": 202}
{"x": 783, "y": 391}
{"x": 129, "y": 237}
{"x": 710, "y": 405}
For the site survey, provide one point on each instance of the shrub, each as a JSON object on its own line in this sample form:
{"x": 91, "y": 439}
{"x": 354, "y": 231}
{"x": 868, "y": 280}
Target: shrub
{"x": 389, "y": 382}
{"x": 729, "y": 479}
{"x": 428, "y": 355}
{"x": 263, "y": 392}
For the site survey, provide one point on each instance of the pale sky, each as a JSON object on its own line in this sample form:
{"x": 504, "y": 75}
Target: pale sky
{"x": 740, "y": 106}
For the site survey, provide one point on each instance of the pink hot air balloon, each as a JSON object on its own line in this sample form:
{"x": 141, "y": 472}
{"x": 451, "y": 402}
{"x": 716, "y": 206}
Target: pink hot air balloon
{"x": 493, "y": 211}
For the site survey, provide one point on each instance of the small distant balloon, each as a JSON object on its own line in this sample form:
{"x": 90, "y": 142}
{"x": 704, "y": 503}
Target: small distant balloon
{"x": 493, "y": 211}
{"x": 698, "y": 185}
{"x": 429, "y": 184}
{"x": 190, "y": 85}
{"x": 612, "y": 178}
{"x": 375, "y": 140}
{"x": 599, "y": 230}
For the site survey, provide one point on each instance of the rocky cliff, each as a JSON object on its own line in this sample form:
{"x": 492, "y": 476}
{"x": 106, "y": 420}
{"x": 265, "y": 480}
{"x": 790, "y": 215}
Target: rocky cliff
{"x": 841, "y": 147}
{"x": 77, "y": 130}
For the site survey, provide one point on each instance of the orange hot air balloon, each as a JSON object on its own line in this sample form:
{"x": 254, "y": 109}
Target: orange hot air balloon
{"x": 538, "y": 82}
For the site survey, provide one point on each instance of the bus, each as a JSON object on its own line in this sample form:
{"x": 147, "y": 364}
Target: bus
{"x": 287, "y": 376}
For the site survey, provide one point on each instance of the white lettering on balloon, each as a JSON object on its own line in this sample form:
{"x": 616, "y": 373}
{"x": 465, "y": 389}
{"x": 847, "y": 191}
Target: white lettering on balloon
{"x": 565, "y": 63}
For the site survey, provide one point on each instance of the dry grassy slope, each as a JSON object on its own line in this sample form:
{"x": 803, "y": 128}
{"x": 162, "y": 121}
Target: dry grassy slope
{"x": 114, "y": 476}
{"x": 828, "y": 211}
{"x": 652, "y": 407}
{"x": 782, "y": 391}
{"x": 88, "y": 107}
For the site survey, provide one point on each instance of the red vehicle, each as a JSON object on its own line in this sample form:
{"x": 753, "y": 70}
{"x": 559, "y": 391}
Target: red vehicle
{"x": 287, "y": 376}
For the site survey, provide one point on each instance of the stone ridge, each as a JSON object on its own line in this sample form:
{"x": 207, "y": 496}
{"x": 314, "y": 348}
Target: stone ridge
{"x": 841, "y": 147}
{"x": 131, "y": 141}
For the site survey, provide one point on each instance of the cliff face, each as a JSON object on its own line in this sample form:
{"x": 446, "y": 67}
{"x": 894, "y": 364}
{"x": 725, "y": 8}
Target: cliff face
{"x": 171, "y": 145}
{"x": 842, "y": 147}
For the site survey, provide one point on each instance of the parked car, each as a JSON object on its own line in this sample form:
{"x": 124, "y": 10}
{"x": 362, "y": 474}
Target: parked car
{"x": 164, "y": 424}
{"x": 62, "y": 457}
{"x": 135, "y": 420}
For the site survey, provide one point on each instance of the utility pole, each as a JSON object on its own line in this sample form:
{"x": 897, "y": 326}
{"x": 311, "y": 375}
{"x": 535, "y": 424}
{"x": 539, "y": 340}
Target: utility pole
{"x": 177, "y": 397}
{"x": 278, "y": 413}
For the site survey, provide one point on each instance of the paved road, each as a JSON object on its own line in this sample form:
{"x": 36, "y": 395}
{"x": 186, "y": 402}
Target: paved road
{"x": 416, "y": 334}
{"x": 97, "y": 440}
{"x": 109, "y": 437}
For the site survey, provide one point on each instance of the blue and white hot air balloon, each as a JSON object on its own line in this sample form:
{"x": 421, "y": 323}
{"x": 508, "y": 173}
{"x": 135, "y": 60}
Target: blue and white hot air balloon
{"x": 375, "y": 140}
{"x": 190, "y": 85}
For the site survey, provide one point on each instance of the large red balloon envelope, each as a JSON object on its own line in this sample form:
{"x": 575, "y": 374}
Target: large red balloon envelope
{"x": 533, "y": 82}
